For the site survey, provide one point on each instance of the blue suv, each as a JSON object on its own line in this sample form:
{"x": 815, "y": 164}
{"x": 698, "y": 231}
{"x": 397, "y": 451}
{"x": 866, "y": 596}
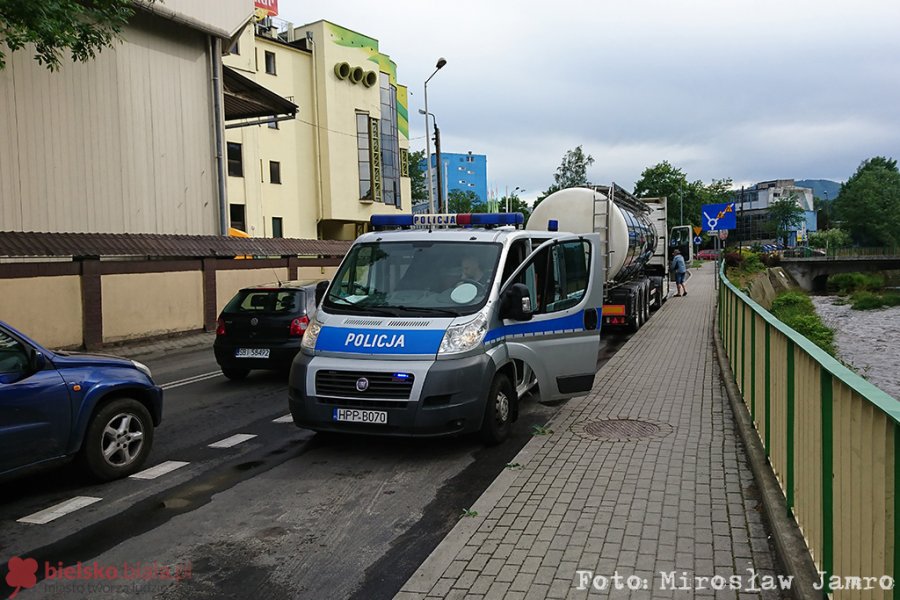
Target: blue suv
{"x": 55, "y": 406}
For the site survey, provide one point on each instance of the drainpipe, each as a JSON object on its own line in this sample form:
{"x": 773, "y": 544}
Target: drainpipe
{"x": 215, "y": 51}
{"x": 317, "y": 132}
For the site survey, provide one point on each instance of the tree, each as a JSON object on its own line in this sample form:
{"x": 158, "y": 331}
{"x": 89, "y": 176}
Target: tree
{"x": 868, "y": 206}
{"x": 685, "y": 199}
{"x": 572, "y": 172}
{"x": 417, "y": 182}
{"x": 785, "y": 214}
{"x": 516, "y": 204}
{"x": 831, "y": 239}
{"x": 459, "y": 201}
{"x": 84, "y": 27}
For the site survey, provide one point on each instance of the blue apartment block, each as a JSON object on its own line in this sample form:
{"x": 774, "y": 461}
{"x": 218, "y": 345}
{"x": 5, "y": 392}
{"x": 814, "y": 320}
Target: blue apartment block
{"x": 464, "y": 172}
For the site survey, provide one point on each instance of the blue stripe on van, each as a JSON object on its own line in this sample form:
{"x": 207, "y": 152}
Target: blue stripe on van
{"x": 574, "y": 321}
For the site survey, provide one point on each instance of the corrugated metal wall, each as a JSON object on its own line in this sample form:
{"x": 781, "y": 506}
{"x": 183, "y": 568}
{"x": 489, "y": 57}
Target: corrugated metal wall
{"x": 122, "y": 144}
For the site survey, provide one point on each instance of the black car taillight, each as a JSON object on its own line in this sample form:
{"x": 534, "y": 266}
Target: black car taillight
{"x": 298, "y": 326}
{"x": 220, "y": 326}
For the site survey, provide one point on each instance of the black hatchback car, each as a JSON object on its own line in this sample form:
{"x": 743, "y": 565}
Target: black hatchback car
{"x": 261, "y": 327}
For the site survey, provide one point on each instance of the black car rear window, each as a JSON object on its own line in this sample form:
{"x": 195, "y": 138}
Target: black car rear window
{"x": 266, "y": 302}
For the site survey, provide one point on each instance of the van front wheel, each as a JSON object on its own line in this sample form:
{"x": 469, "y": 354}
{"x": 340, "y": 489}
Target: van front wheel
{"x": 498, "y": 412}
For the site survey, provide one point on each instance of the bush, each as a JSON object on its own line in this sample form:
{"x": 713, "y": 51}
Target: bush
{"x": 771, "y": 259}
{"x": 891, "y": 299}
{"x": 796, "y": 310}
{"x": 811, "y": 327}
{"x": 792, "y": 304}
{"x": 734, "y": 260}
{"x": 847, "y": 283}
{"x": 866, "y": 300}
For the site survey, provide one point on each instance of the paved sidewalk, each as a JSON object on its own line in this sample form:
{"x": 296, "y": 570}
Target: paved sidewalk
{"x": 680, "y": 502}
{"x": 147, "y": 349}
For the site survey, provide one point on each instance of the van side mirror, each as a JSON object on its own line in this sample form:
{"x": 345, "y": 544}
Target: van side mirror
{"x": 321, "y": 288}
{"x": 515, "y": 303}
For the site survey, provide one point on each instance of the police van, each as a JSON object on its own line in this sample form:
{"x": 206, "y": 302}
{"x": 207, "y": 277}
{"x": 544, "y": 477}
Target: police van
{"x": 436, "y": 325}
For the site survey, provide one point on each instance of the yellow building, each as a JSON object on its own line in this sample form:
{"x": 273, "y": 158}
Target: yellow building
{"x": 342, "y": 159}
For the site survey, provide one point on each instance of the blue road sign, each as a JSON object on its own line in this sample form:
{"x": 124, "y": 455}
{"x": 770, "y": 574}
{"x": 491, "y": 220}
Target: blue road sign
{"x": 717, "y": 217}
{"x": 698, "y": 240}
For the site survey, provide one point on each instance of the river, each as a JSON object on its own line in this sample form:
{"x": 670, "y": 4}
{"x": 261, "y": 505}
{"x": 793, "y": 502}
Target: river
{"x": 868, "y": 340}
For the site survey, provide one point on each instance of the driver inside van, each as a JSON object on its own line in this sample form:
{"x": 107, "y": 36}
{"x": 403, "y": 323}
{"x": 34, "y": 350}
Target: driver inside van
{"x": 470, "y": 269}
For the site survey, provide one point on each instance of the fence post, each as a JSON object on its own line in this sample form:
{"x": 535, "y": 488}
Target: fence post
{"x": 91, "y": 303}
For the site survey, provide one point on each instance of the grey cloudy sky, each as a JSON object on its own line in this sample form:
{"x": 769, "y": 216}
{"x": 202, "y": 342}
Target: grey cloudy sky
{"x": 746, "y": 89}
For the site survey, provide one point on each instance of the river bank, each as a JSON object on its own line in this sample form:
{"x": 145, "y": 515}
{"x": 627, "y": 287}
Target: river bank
{"x": 868, "y": 340}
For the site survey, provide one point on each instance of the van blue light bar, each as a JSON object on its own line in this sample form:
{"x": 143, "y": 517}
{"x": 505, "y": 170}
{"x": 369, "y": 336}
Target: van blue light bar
{"x": 447, "y": 220}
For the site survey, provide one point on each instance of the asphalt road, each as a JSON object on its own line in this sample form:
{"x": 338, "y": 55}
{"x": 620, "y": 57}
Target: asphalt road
{"x": 285, "y": 513}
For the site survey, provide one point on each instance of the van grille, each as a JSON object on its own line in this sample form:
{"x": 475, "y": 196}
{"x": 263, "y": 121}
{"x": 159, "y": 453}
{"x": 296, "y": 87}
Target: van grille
{"x": 381, "y": 385}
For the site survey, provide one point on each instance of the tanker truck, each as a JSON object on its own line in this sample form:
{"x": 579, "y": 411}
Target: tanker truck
{"x": 633, "y": 241}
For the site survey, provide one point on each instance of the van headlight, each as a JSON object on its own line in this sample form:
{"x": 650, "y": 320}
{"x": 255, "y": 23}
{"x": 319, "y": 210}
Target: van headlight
{"x": 311, "y": 335}
{"x": 461, "y": 338}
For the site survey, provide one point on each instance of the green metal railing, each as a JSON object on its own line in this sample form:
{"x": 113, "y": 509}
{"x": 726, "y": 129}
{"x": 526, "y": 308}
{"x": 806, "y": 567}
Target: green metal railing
{"x": 832, "y": 439}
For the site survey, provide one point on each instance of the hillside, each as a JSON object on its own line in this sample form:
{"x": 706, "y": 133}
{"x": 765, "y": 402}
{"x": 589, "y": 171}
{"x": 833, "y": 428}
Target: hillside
{"x": 820, "y": 187}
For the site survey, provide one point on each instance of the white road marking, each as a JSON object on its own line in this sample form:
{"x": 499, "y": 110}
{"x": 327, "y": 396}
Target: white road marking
{"x": 160, "y": 469}
{"x": 284, "y": 419}
{"x": 190, "y": 380}
{"x": 59, "y": 510}
{"x": 233, "y": 440}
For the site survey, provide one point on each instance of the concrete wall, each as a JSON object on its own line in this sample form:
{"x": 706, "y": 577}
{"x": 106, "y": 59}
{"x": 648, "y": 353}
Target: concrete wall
{"x": 147, "y": 304}
{"x": 46, "y": 308}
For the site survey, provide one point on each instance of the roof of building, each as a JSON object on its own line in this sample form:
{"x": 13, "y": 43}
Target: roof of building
{"x": 31, "y": 244}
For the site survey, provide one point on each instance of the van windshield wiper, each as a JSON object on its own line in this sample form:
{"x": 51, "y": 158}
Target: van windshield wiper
{"x": 360, "y": 308}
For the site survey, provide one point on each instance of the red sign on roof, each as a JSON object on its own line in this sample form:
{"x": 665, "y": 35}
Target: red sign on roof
{"x": 267, "y": 7}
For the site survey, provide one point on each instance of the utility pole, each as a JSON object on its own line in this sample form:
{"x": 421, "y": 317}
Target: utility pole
{"x": 680, "y": 204}
{"x": 437, "y": 152}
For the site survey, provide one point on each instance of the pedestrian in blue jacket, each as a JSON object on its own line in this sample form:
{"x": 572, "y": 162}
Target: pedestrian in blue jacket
{"x": 679, "y": 268}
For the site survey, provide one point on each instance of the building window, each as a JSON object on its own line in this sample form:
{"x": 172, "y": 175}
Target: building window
{"x": 274, "y": 171}
{"x": 235, "y": 160}
{"x": 277, "y": 230}
{"x": 270, "y": 63}
{"x": 390, "y": 148}
{"x": 238, "y": 220}
{"x": 363, "y": 146}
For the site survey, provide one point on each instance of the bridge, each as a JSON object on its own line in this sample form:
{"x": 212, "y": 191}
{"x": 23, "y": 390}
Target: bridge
{"x": 811, "y": 273}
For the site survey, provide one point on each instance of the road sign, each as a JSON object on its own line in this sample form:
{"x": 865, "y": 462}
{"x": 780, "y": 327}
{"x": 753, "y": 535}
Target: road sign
{"x": 698, "y": 240}
{"x": 697, "y": 230}
{"x": 717, "y": 217}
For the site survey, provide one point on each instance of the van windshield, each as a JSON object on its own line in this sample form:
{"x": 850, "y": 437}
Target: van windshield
{"x": 414, "y": 278}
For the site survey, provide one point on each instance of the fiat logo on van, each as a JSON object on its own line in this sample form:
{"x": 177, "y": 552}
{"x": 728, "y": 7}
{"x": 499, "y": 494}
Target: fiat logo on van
{"x": 362, "y": 384}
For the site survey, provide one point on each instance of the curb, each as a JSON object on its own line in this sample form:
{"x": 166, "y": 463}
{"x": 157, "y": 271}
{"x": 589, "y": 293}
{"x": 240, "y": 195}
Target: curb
{"x": 789, "y": 542}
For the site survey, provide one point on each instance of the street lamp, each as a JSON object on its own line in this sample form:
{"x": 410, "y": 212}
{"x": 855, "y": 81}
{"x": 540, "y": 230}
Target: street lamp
{"x": 514, "y": 193}
{"x": 440, "y": 64}
{"x": 437, "y": 152}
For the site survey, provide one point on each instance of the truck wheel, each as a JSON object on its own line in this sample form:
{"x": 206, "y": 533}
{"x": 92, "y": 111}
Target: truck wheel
{"x": 647, "y": 303}
{"x": 638, "y": 311}
{"x": 118, "y": 440}
{"x": 235, "y": 374}
{"x": 498, "y": 412}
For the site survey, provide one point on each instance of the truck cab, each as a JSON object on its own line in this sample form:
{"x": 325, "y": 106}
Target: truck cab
{"x": 439, "y": 329}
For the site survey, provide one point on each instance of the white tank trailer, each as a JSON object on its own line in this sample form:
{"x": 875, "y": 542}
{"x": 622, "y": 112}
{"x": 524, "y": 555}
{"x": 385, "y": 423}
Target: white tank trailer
{"x": 634, "y": 239}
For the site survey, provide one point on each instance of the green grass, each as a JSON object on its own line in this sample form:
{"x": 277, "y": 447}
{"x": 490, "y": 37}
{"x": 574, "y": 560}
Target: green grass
{"x": 865, "y": 300}
{"x": 848, "y": 283}
{"x": 796, "y": 310}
